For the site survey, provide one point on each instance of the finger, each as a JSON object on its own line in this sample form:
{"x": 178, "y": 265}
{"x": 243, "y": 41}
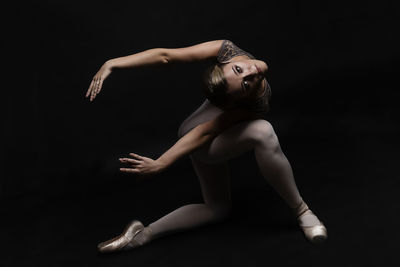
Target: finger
{"x": 134, "y": 161}
{"x": 100, "y": 85}
{"x": 136, "y": 155}
{"x": 88, "y": 91}
{"x": 129, "y": 170}
{"x": 97, "y": 85}
{"x": 94, "y": 85}
{"x": 93, "y": 90}
{"x": 128, "y": 160}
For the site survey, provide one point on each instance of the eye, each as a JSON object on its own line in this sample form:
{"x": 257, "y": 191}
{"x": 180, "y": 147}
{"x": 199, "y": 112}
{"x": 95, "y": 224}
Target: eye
{"x": 238, "y": 69}
{"x": 246, "y": 85}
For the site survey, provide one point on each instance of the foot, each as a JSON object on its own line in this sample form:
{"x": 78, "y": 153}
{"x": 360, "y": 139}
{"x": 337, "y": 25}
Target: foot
{"x": 141, "y": 238}
{"x": 125, "y": 240}
{"x": 313, "y": 229}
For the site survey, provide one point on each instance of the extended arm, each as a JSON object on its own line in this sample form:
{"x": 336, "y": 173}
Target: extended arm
{"x": 204, "y": 133}
{"x": 155, "y": 56}
{"x": 159, "y": 56}
{"x": 194, "y": 139}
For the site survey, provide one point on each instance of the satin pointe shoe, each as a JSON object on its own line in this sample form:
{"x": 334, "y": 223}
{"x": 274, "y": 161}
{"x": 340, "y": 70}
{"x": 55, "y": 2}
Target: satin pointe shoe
{"x": 120, "y": 242}
{"x": 316, "y": 234}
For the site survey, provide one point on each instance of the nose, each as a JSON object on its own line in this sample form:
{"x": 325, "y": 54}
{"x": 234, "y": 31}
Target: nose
{"x": 252, "y": 70}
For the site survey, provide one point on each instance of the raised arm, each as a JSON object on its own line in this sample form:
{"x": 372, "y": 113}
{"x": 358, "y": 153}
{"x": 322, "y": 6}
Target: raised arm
{"x": 194, "y": 139}
{"x": 154, "y": 56}
{"x": 157, "y": 56}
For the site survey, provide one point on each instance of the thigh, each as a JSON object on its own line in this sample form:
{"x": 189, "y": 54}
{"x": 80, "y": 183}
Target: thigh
{"x": 232, "y": 142}
{"x": 214, "y": 178}
{"x": 206, "y": 112}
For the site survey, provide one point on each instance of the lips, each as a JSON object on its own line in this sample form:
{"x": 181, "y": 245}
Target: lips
{"x": 258, "y": 69}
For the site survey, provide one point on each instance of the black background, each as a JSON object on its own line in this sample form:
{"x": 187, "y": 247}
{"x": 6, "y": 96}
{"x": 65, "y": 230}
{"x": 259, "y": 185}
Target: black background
{"x": 333, "y": 70}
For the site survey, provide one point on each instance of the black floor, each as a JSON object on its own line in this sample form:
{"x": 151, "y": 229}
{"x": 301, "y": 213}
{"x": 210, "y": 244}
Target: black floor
{"x": 351, "y": 190}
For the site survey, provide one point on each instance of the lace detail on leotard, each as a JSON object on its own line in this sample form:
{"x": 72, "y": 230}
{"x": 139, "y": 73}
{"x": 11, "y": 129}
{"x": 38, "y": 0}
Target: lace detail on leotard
{"x": 229, "y": 50}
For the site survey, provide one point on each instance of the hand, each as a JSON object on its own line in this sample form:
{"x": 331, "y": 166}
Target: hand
{"x": 97, "y": 82}
{"x": 141, "y": 165}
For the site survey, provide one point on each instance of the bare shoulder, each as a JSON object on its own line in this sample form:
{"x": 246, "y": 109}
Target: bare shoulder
{"x": 196, "y": 52}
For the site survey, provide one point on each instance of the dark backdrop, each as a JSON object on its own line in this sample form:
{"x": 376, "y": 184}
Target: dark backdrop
{"x": 333, "y": 72}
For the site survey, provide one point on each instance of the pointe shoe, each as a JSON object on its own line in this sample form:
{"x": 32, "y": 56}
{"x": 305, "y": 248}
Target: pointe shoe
{"x": 316, "y": 234}
{"x": 120, "y": 242}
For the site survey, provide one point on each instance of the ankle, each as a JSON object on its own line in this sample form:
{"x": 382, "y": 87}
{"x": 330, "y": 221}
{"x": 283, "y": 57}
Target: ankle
{"x": 141, "y": 238}
{"x": 145, "y": 236}
{"x": 149, "y": 233}
{"x": 300, "y": 209}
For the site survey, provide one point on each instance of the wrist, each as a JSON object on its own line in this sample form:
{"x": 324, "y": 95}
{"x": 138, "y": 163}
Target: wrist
{"x": 162, "y": 165}
{"x": 109, "y": 64}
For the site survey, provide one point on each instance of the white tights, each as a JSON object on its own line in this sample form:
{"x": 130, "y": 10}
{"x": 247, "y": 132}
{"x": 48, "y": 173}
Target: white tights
{"x": 210, "y": 164}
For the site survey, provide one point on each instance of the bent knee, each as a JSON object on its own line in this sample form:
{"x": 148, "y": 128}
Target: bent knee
{"x": 262, "y": 132}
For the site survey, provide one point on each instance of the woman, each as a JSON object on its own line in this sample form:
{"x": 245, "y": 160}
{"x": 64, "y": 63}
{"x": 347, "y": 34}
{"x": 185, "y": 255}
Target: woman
{"x": 228, "y": 123}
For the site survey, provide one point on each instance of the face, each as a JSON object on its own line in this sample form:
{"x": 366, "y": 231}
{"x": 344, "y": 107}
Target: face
{"x": 245, "y": 78}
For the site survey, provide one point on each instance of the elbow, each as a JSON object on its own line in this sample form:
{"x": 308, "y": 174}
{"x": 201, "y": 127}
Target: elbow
{"x": 164, "y": 60}
{"x": 207, "y": 129}
{"x": 164, "y": 56}
{"x": 205, "y": 134}
{"x": 206, "y": 138}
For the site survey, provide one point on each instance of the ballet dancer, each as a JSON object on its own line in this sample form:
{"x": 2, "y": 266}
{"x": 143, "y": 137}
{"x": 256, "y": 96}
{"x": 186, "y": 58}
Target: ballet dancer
{"x": 230, "y": 121}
